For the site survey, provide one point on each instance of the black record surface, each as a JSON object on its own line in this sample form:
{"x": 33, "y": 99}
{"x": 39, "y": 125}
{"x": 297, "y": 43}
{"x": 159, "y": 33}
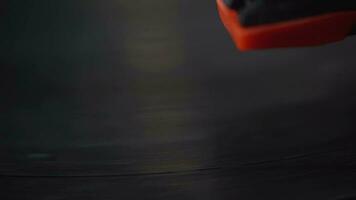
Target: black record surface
{"x": 150, "y": 100}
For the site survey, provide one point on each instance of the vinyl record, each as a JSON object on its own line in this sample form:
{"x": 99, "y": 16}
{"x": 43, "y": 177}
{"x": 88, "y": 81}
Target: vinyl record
{"x": 150, "y": 100}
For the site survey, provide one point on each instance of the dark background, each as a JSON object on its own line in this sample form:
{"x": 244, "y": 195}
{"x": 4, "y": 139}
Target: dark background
{"x": 150, "y": 100}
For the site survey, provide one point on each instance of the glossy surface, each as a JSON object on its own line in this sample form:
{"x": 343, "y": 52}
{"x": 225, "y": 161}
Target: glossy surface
{"x": 150, "y": 100}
